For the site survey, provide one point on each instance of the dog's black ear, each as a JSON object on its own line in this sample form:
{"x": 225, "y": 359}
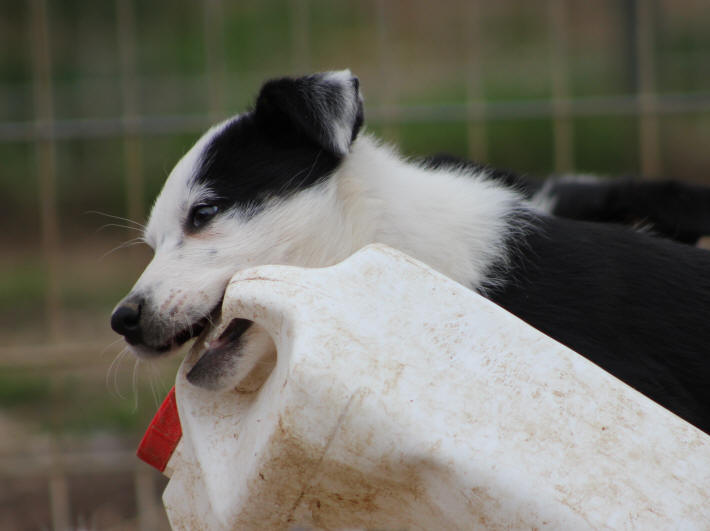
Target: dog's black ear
{"x": 326, "y": 108}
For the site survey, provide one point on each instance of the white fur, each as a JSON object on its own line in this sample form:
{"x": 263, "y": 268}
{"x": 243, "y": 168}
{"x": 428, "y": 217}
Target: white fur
{"x": 453, "y": 221}
{"x": 341, "y": 126}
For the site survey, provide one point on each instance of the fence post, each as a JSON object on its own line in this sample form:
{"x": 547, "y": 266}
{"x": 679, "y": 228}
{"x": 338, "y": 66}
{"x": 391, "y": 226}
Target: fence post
{"x": 562, "y": 122}
{"x": 300, "y": 32}
{"x": 58, "y": 491}
{"x": 475, "y": 96}
{"x": 46, "y": 160}
{"x": 145, "y": 499}
{"x": 390, "y": 110}
{"x": 649, "y": 141}
{"x": 214, "y": 58}
{"x": 125, "y": 30}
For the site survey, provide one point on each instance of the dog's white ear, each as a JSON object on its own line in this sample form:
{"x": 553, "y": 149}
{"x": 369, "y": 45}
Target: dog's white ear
{"x": 325, "y": 107}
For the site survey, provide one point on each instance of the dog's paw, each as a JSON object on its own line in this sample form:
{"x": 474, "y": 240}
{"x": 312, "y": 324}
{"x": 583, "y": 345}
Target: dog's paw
{"x": 241, "y": 358}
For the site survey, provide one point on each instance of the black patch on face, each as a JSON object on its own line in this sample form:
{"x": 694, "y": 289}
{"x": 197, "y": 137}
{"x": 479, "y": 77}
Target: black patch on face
{"x": 247, "y": 163}
{"x": 284, "y": 145}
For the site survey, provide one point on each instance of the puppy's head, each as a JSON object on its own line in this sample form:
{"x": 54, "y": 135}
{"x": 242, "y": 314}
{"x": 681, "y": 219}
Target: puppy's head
{"x": 252, "y": 190}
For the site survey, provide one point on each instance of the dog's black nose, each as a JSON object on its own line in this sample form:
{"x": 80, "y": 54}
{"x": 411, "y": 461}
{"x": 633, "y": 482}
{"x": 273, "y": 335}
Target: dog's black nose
{"x": 126, "y": 320}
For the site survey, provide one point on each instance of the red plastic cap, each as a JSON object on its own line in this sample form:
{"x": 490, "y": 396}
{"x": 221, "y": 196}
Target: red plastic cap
{"x": 163, "y": 434}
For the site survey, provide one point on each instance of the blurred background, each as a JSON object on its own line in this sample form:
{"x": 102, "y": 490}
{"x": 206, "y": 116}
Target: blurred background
{"x": 98, "y": 100}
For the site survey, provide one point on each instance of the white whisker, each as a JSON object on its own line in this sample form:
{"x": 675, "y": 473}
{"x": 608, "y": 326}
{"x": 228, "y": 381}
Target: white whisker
{"x": 134, "y": 383}
{"x": 111, "y": 344}
{"x": 112, "y": 373}
{"x": 152, "y": 376}
{"x": 129, "y": 243}
{"x": 119, "y": 218}
{"x": 117, "y": 226}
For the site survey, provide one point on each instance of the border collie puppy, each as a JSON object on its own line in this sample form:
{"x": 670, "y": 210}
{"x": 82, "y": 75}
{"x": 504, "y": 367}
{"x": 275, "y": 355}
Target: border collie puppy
{"x": 293, "y": 182}
{"x": 672, "y": 209}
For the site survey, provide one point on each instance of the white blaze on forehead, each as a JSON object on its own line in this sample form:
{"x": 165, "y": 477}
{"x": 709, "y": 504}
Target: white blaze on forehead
{"x": 180, "y": 192}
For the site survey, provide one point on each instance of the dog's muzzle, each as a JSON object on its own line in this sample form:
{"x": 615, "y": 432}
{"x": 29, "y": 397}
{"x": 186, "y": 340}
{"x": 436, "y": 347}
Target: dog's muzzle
{"x": 148, "y": 333}
{"x": 126, "y": 319}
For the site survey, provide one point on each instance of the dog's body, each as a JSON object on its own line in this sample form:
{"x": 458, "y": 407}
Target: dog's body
{"x": 291, "y": 182}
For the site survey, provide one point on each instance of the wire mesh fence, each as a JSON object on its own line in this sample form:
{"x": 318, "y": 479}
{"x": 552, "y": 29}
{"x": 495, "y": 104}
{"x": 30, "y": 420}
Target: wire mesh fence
{"x": 116, "y": 91}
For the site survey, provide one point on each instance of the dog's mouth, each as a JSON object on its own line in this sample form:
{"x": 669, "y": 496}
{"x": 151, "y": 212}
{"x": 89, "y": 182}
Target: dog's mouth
{"x": 184, "y": 336}
{"x": 215, "y": 351}
{"x": 179, "y": 338}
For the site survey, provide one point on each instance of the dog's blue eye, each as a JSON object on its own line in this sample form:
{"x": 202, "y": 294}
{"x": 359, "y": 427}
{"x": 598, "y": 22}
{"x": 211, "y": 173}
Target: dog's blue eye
{"x": 201, "y": 215}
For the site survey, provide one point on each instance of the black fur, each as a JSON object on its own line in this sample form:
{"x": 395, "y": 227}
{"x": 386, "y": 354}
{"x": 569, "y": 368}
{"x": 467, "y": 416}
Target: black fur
{"x": 281, "y": 146}
{"x": 634, "y": 304}
{"x": 248, "y": 163}
{"x": 675, "y": 210}
{"x": 311, "y": 105}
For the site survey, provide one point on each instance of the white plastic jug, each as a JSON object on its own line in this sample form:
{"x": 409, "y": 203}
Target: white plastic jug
{"x": 402, "y": 400}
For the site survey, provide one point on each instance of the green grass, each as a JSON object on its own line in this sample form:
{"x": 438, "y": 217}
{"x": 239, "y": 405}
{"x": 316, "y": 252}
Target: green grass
{"x": 20, "y": 389}
{"x": 81, "y": 407}
{"x": 524, "y": 146}
{"x": 421, "y": 139}
{"x": 607, "y": 145}
{"x": 90, "y": 284}
{"x": 69, "y": 402}
{"x": 22, "y": 284}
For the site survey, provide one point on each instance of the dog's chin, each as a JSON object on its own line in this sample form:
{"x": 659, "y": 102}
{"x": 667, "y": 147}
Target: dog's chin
{"x": 147, "y": 353}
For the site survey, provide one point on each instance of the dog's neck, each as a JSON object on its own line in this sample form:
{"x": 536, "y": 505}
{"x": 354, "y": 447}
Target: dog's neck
{"x": 454, "y": 221}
